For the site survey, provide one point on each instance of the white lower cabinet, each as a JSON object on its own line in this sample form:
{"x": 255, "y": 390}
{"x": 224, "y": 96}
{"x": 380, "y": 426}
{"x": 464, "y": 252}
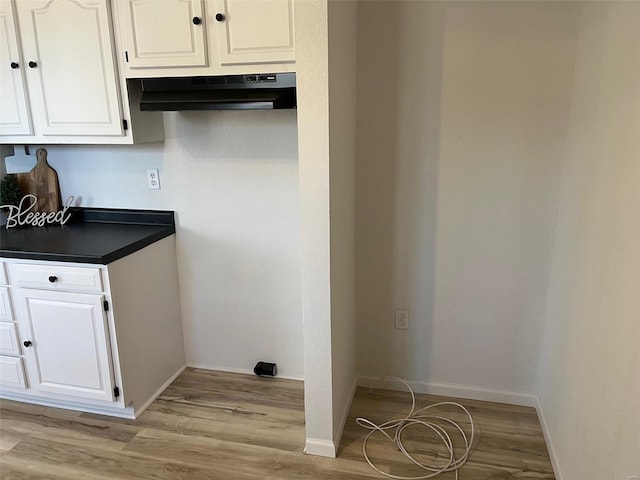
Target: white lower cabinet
{"x": 5, "y": 305}
{"x": 9, "y": 344}
{"x": 110, "y": 351}
{"x": 11, "y": 363}
{"x": 12, "y": 372}
{"x": 67, "y": 343}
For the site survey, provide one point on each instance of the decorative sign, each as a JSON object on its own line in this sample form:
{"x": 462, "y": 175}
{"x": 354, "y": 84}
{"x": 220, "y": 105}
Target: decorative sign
{"x": 22, "y": 215}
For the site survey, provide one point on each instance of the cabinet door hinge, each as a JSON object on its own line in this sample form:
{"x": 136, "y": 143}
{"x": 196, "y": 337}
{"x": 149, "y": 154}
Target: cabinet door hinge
{"x": 125, "y": 124}
{"x": 116, "y": 392}
{"x": 105, "y": 304}
{"x": 126, "y": 56}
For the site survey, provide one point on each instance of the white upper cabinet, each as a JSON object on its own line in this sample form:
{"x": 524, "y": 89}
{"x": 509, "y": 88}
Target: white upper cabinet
{"x": 255, "y": 31}
{"x": 166, "y": 38}
{"x": 71, "y": 70}
{"x": 60, "y": 77}
{"x": 167, "y": 33}
{"x": 14, "y": 111}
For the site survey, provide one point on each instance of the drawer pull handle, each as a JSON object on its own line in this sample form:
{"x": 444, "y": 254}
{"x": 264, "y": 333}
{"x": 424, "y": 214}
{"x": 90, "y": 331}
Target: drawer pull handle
{"x": 219, "y": 17}
{"x": 27, "y": 343}
{"x": 196, "y": 20}
{"x": 53, "y": 279}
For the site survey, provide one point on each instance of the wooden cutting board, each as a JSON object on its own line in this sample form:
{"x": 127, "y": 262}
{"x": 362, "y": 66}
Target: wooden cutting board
{"x": 42, "y": 181}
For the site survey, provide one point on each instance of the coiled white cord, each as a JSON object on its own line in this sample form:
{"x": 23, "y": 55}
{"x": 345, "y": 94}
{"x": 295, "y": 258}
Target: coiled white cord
{"x": 429, "y": 421}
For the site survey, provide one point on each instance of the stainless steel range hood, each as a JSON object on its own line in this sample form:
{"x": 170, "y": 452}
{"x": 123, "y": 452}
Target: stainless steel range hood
{"x": 231, "y": 92}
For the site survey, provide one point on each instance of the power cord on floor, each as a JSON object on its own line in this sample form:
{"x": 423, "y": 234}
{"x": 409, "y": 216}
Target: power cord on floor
{"x": 429, "y": 421}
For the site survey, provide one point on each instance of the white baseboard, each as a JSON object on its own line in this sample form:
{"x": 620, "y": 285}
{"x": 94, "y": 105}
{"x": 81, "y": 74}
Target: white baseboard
{"x": 449, "y": 390}
{"x": 126, "y": 412}
{"x": 345, "y": 413}
{"x": 245, "y": 371}
{"x": 321, "y": 448}
{"x": 144, "y": 406}
{"x": 326, "y": 448}
{"x": 549, "y": 441}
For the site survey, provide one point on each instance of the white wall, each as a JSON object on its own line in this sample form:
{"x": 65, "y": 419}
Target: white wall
{"x": 590, "y": 369}
{"x": 342, "y": 156}
{"x": 312, "y": 77}
{"x": 232, "y": 179}
{"x": 462, "y": 118}
{"x": 326, "y": 69}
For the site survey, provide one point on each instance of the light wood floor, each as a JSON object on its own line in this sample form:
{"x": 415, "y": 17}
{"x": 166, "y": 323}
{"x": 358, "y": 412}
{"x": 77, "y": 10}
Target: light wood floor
{"x": 212, "y": 425}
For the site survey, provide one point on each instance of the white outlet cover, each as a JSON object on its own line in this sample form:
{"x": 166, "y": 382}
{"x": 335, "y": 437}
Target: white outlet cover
{"x": 401, "y": 318}
{"x": 153, "y": 179}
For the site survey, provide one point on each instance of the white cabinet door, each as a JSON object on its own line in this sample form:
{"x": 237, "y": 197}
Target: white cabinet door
{"x": 9, "y": 343}
{"x": 12, "y": 372}
{"x": 6, "y": 313}
{"x": 255, "y": 31}
{"x": 70, "y": 66}
{"x": 69, "y": 351}
{"x": 167, "y": 33}
{"x": 14, "y": 109}
{"x": 9, "y": 339}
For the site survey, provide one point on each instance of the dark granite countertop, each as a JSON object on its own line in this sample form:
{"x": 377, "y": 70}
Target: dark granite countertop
{"x": 93, "y": 235}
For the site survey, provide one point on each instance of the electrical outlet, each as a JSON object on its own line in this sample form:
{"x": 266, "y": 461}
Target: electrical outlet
{"x": 401, "y": 316}
{"x": 153, "y": 179}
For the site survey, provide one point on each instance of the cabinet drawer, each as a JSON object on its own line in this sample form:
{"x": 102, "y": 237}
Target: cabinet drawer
{"x": 85, "y": 279}
{"x": 6, "y": 312}
{"x": 12, "y": 372}
{"x": 3, "y": 275}
{"x": 9, "y": 343}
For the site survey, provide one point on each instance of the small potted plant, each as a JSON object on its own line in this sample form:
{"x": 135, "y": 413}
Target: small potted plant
{"x": 10, "y": 193}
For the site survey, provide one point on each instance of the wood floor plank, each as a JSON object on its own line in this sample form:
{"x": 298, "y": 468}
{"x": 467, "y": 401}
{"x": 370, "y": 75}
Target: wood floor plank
{"x": 224, "y": 426}
{"x": 20, "y": 420}
{"x": 231, "y": 459}
{"x": 259, "y": 390}
{"x": 237, "y": 413}
{"x": 8, "y": 441}
{"x": 62, "y": 461}
{"x": 284, "y": 438}
{"x": 509, "y": 443}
